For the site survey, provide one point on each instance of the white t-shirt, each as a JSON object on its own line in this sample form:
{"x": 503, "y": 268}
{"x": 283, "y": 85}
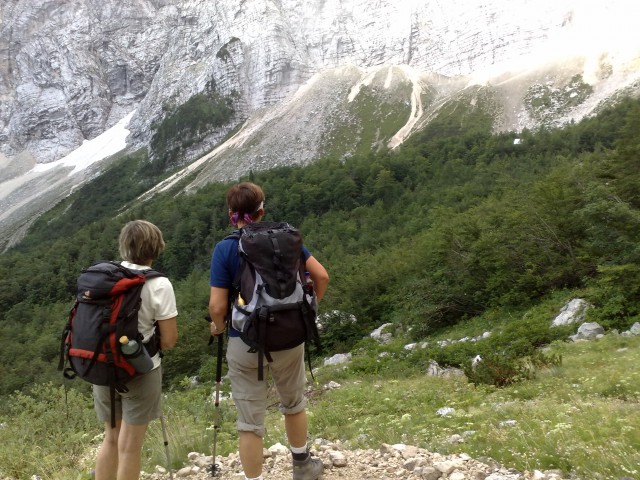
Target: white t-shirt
{"x": 158, "y": 303}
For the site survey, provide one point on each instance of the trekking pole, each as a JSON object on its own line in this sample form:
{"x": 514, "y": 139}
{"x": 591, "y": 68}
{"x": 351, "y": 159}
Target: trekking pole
{"x": 215, "y": 468}
{"x": 166, "y": 445}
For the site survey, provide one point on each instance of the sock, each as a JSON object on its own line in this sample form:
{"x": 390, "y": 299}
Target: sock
{"x": 257, "y": 478}
{"x": 299, "y": 453}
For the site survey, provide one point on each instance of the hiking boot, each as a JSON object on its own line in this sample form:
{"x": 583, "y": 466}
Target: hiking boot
{"x": 309, "y": 469}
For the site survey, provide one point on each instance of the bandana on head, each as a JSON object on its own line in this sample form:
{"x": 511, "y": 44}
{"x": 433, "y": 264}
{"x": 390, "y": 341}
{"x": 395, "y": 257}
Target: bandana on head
{"x": 235, "y": 216}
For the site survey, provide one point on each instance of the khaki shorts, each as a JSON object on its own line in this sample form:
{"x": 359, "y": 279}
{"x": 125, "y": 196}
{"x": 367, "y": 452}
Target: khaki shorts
{"x": 250, "y": 394}
{"x": 141, "y": 404}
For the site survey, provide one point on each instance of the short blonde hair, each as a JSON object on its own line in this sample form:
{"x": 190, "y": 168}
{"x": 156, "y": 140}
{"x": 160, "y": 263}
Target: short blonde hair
{"x": 140, "y": 242}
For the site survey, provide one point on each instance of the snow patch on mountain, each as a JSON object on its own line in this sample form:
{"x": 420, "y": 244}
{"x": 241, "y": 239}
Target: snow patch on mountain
{"x": 104, "y": 145}
{"x": 24, "y": 195}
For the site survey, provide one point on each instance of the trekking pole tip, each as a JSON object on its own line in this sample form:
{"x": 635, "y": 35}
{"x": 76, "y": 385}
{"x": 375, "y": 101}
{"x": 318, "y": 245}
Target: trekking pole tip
{"x": 214, "y": 469}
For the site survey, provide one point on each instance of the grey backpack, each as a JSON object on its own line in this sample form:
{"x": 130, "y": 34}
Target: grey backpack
{"x": 274, "y": 308}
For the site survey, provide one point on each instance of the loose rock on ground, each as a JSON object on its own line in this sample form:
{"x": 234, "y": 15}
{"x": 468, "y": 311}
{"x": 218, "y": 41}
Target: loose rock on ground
{"x": 388, "y": 462}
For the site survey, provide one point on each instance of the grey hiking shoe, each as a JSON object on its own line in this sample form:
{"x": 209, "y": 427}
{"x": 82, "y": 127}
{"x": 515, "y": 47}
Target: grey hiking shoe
{"x": 309, "y": 469}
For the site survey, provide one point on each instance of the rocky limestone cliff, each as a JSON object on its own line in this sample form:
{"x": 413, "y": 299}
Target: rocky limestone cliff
{"x": 71, "y": 69}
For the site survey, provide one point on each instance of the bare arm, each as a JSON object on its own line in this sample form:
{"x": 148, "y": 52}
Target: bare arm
{"x": 168, "y": 333}
{"x": 319, "y": 276}
{"x": 218, "y": 306}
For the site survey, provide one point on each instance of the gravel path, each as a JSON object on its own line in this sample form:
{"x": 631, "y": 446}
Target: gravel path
{"x": 386, "y": 463}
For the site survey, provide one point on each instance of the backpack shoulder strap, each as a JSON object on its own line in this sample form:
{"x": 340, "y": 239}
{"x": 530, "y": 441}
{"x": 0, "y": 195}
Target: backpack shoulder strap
{"x": 151, "y": 273}
{"x": 148, "y": 273}
{"x": 152, "y": 345}
{"x": 235, "y": 234}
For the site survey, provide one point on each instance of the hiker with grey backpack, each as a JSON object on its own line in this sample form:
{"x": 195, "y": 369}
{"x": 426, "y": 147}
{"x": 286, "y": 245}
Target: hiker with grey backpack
{"x": 273, "y": 285}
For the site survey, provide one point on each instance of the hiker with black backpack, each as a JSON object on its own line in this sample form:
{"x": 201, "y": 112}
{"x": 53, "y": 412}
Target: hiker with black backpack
{"x": 138, "y": 401}
{"x": 264, "y": 272}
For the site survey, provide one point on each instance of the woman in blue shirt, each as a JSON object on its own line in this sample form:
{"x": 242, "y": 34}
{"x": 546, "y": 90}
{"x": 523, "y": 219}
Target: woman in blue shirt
{"x": 246, "y": 205}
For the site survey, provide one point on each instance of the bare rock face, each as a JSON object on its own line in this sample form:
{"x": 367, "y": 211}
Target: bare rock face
{"x": 72, "y": 69}
{"x": 265, "y": 51}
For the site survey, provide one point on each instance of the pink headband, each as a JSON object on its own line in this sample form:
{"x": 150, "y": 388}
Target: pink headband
{"x": 235, "y": 216}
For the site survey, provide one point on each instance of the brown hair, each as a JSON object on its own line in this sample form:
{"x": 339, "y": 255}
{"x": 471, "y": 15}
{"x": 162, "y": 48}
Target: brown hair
{"x": 245, "y": 198}
{"x": 140, "y": 242}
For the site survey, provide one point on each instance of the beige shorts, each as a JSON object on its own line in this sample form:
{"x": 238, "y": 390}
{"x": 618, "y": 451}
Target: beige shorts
{"x": 250, "y": 394}
{"x": 141, "y": 404}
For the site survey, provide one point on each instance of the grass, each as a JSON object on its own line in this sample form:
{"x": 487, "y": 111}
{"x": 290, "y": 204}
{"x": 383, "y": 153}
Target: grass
{"x": 582, "y": 417}
{"x": 375, "y": 115}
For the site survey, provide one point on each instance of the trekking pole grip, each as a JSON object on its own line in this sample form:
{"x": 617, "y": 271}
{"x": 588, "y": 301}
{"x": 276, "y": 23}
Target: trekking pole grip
{"x": 219, "y": 362}
{"x": 211, "y": 337}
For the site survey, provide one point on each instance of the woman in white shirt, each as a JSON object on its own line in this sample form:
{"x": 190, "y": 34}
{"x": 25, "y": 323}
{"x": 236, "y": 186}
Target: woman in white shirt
{"x": 119, "y": 456}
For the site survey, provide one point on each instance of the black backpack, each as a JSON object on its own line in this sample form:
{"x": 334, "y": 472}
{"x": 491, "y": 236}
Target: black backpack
{"x": 273, "y": 308}
{"x": 106, "y": 308}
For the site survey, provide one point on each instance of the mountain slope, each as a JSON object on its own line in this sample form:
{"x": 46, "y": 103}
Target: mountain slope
{"x": 347, "y": 111}
{"x": 302, "y": 81}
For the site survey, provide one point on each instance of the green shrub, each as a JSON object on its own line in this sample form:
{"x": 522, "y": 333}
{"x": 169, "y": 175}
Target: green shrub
{"x": 615, "y": 292}
{"x": 339, "y": 330}
{"x": 501, "y": 370}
